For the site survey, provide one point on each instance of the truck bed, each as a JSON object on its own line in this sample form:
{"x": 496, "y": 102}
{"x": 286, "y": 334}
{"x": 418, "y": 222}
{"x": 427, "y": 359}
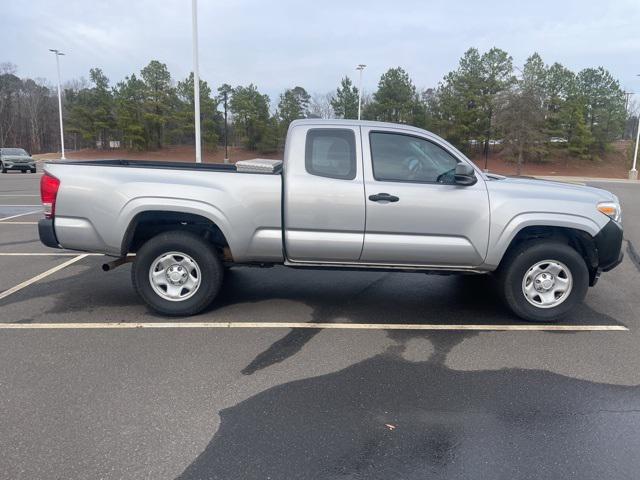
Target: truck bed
{"x": 99, "y": 199}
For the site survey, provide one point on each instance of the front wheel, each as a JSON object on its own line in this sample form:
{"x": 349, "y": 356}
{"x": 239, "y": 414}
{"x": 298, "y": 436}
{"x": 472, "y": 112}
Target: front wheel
{"x": 3, "y": 168}
{"x": 177, "y": 273}
{"x": 543, "y": 280}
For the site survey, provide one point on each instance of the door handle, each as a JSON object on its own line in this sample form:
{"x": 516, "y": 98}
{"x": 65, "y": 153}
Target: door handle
{"x": 383, "y": 197}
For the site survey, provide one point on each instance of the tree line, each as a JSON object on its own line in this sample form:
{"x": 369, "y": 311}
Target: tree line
{"x": 487, "y": 100}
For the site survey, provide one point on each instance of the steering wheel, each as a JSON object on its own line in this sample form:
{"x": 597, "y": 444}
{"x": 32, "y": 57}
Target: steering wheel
{"x": 413, "y": 165}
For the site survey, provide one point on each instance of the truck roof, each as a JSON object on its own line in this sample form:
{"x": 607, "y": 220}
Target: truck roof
{"x": 363, "y": 123}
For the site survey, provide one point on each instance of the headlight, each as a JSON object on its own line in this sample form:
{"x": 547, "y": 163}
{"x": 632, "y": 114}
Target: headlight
{"x": 611, "y": 209}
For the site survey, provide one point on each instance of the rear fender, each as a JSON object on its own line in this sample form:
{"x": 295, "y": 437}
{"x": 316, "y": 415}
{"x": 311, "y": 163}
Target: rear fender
{"x": 149, "y": 204}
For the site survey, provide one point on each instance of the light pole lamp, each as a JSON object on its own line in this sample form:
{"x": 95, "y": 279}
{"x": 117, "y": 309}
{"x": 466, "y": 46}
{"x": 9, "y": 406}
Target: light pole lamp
{"x": 57, "y": 53}
{"x": 360, "y": 68}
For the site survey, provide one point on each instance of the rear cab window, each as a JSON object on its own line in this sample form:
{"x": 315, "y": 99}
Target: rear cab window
{"x": 331, "y": 152}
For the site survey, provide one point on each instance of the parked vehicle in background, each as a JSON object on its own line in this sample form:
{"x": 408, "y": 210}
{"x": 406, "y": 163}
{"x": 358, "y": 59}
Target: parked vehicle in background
{"x": 349, "y": 195}
{"x": 16, "y": 159}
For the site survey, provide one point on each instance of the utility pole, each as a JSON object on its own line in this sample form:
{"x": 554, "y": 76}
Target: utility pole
{"x": 627, "y": 96}
{"x": 196, "y": 79}
{"x": 57, "y": 54}
{"x": 360, "y": 67}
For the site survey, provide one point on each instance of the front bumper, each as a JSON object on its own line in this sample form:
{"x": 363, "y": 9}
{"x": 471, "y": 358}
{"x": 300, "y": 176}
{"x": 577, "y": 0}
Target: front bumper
{"x": 47, "y": 233}
{"x": 19, "y": 166}
{"x": 609, "y": 246}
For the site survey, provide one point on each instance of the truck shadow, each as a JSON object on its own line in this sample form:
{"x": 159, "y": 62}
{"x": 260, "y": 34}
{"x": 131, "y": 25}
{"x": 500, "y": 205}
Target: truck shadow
{"x": 387, "y": 417}
{"x": 386, "y": 298}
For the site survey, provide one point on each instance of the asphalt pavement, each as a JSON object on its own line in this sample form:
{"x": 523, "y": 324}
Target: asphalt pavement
{"x": 376, "y": 402}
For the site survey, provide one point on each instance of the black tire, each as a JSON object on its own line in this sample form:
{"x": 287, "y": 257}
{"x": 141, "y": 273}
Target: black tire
{"x": 23, "y": 171}
{"x": 518, "y": 262}
{"x": 4, "y": 170}
{"x": 33, "y": 170}
{"x": 200, "y": 251}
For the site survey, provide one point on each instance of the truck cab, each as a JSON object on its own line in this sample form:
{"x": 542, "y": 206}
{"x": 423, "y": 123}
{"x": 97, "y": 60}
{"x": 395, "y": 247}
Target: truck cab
{"x": 381, "y": 195}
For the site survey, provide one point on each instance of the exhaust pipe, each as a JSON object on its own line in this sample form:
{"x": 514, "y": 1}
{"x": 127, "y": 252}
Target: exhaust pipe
{"x": 106, "y": 267}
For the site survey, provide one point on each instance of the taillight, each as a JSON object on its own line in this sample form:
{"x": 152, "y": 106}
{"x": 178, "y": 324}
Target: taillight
{"x": 48, "y": 191}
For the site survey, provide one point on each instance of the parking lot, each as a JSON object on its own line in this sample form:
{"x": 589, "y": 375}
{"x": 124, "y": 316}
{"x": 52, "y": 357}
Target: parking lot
{"x": 308, "y": 374}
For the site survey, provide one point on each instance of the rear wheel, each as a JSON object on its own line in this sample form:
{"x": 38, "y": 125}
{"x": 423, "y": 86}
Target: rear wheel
{"x": 543, "y": 280}
{"x": 33, "y": 170}
{"x": 177, "y": 273}
{"x": 4, "y": 170}
{"x": 23, "y": 171}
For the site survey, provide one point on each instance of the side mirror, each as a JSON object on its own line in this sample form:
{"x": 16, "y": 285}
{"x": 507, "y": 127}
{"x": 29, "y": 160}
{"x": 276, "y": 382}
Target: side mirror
{"x": 465, "y": 175}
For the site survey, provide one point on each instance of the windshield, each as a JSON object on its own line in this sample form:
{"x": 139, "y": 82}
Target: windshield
{"x": 14, "y": 151}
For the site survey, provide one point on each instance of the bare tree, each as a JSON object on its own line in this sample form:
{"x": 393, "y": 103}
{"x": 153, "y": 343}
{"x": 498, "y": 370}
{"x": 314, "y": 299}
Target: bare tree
{"x": 320, "y": 106}
{"x": 519, "y": 115}
{"x": 35, "y": 94}
{"x": 8, "y": 68}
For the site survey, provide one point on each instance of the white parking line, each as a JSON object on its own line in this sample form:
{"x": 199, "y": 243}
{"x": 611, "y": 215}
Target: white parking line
{"x": 335, "y": 326}
{"x": 47, "y": 254}
{"x": 20, "y": 215}
{"x": 19, "y": 223}
{"x": 11, "y": 205}
{"x": 18, "y": 195}
{"x": 51, "y": 271}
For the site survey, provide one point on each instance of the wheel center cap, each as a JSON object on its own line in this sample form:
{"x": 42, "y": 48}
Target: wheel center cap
{"x": 544, "y": 282}
{"x": 176, "y": 274}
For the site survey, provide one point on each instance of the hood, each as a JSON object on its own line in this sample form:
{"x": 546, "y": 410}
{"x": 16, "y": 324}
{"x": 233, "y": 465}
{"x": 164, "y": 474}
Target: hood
{"x": 551, "y": 188}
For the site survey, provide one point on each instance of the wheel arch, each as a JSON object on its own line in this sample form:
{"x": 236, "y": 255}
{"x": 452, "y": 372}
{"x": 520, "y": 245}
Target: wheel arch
{"x": 147, "y": 224}
{"x": 580, "y": 240}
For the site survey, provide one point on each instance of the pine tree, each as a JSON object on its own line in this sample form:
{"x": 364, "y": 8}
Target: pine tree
{"x": 345, "y": 101}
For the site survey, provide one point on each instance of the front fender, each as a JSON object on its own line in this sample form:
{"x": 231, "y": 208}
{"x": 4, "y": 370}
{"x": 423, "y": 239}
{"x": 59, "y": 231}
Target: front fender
{"x": 501, "y": 236}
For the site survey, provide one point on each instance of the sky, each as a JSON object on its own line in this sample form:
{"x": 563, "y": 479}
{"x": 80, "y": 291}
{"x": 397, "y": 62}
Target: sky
{"x": 279, "y": 44}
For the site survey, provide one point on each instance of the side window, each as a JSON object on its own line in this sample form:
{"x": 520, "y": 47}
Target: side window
{"x": 331, "y": 152}
{"x": 404, "y": 158}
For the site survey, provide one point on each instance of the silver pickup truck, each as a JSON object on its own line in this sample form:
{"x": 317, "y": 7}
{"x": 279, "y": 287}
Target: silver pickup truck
{"x": 348, "y": 195}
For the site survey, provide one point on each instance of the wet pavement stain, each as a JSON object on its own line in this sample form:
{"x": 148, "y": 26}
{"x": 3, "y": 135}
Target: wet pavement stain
{"x": 504, "y": 424}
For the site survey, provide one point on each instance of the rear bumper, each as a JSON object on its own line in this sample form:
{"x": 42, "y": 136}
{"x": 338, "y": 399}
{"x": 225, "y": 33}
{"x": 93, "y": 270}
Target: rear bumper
{"x": 609, "y": 245}
{"x": 47, "y": 233}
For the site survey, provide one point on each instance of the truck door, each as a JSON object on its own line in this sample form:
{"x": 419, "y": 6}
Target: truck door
{"x": 415, "y": 215}
{"x": 323, "y": 197}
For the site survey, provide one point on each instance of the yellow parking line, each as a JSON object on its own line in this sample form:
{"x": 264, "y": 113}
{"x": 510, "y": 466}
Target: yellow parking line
{"x": 334, "y": 326}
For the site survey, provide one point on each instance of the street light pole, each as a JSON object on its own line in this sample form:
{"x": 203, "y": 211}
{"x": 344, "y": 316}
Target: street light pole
{"x": 57, "y": 53}
{"x": 196, "y": 79}
{"x": 633, "y": 173}
{"x": 360, "y": 67}
{"x": 226, "y": 126}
